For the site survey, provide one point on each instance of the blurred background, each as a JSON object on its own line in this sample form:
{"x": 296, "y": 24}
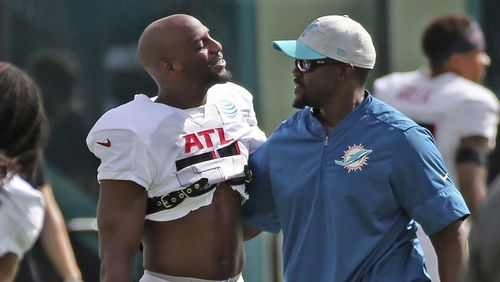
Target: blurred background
{"x": 83, "y": 55}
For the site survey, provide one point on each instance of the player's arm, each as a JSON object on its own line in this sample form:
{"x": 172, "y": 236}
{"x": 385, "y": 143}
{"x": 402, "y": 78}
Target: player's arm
{"x": 452, "y": 251}
{"x": 471, "y": 167}
{"x": 9, "y": 263}
{"x": 55, "y": 239}
{"x": 120, "y": 214}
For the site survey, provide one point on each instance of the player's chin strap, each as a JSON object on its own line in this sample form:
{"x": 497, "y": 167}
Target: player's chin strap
{"x": 200, "y": 187}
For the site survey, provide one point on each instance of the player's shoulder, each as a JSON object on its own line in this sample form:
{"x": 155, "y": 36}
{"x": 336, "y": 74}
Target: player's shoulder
{"x": 226, "y": 95}
{"x": 130, "y": 122}
{"x": 139, "y": 114}
{"x": 229, "y": 90}
{"x": 22, "y": 212}
{"x": 397, "y": 79}
{"x": 23, "y": 195}
{"x": 397, "y": 76}
{"x": 22, "y": 189}
{"x": 467, "y": 90}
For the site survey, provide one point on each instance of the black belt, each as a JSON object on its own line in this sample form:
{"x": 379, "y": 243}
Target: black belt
{"x": 172, "y": 199}
{"x": 200, "y": 187}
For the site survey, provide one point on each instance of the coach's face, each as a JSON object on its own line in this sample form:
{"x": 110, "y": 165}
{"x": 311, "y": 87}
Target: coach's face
{"x": 317, "y": 86}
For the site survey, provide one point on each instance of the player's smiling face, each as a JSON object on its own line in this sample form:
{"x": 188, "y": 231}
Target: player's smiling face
{"x": 202, "y": 58}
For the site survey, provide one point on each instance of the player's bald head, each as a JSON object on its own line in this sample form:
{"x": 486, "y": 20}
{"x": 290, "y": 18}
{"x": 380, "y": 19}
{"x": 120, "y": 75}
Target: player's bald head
{"x": 166, "y": 38}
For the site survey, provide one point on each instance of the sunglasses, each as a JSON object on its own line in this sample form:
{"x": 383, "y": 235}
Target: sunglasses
{"x": 310, "y": 65}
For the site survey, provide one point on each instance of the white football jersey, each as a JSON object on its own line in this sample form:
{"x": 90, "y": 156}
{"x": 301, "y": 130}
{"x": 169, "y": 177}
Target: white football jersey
{"x": 22, "y": 210}
{"x": 450, "y": 106}
{"x": 165, "y": 149}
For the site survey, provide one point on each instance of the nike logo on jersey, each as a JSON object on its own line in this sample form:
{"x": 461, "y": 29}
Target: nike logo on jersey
{"x": 205, "y": 139}
{"x": 105, "y": 144}
{"x": 444, "y": 177}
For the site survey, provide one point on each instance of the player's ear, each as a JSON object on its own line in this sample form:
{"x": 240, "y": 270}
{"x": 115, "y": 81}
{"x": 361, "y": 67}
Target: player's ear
{"x": 168, "y": 65}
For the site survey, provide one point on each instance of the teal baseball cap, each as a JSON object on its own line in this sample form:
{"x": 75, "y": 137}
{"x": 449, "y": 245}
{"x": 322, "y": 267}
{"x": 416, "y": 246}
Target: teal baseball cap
{"x": 337, "y": 37}
{"x": 297, "y": 50}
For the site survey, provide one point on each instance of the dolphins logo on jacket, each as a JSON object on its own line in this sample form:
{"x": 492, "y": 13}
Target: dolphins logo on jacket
{"x": 355, "y": 158}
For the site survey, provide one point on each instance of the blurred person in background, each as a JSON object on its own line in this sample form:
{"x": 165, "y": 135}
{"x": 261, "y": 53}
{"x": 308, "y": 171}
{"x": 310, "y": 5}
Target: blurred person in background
{"x": 24, "y": 141}
{"x": 56, "y": 72}
{"x": 52, "y": 259}
{"x": 485, "y": 240}
{"x": 22, "y": 125}
{"x": 21, "y": 218}
{"x": 447, "y": 99}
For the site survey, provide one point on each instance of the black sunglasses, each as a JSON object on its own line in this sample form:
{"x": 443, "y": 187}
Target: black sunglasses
{"x": 310, "y": 65}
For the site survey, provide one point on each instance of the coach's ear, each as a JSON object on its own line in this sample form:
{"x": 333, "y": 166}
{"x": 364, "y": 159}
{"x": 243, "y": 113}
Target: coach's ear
{"x": 345, "y": 71}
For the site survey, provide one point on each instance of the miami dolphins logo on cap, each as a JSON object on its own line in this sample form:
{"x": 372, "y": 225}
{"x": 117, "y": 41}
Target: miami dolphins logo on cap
{"x": 228, "y": 108}
{"x": 355, "y": 158}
